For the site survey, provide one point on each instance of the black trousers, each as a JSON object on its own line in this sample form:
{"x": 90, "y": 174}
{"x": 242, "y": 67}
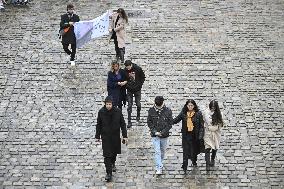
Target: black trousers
{"x": 189, "y": 152}
{"x": 118, "y": 51}
{"x": 137, "y": 96}
{"x": 109, "y": 162}
{"x": 72, "y": 53}
{"x": 213, "y": 154}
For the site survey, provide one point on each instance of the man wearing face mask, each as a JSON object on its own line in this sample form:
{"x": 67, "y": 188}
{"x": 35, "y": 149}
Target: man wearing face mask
{"x": 67, "y": 32}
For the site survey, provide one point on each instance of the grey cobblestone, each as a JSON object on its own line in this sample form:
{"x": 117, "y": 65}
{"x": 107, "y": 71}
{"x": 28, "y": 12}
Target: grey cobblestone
{"x": 228, "y": 50}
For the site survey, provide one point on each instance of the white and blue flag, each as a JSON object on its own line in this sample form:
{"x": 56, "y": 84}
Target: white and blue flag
{"x": 87, "y": 30}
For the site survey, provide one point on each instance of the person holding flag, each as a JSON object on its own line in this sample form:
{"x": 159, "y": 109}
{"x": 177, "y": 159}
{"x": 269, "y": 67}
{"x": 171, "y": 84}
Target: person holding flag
{"x": 67, "y": 32}
{"x": 117, "y": 29}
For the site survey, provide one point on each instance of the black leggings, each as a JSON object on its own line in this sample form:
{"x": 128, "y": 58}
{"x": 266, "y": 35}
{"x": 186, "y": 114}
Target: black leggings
{"x": 118, "y": 51}
{"x": 214, "y": 152}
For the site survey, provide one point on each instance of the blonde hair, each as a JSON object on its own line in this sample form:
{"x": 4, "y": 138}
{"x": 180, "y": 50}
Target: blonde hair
{"x": 112, "y": 64}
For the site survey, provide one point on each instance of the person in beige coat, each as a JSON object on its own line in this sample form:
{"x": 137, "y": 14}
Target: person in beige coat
{"x": 117, "y": 29}
{"x": 212, "y": 124}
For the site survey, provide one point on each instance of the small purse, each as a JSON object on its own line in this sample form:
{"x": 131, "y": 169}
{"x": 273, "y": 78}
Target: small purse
{"x": 64, "y": 31}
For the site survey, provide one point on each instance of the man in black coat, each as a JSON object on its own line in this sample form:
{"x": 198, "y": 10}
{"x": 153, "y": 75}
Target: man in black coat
{"x": 160, "y": 122}
{"x": 135, "y": 78}
{"x": 109, "y": 123}
{"x": 68, "y": 36}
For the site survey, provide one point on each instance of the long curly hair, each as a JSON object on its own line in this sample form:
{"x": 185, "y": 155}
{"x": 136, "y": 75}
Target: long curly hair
{"x": 123, "y": 14}
{"x": 217, "y": 116}
{"x": 185, "y": 108}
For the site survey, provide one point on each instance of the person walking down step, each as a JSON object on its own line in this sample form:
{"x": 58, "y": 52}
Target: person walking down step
{"x": 109, "y": 123}
{"x": 160, "y": 122}
{"x": 118, "y": 34}
{"x": 135, "y": 79}
{"x": 67, "y": 32}
{"x": 116, "y": 82}
{"x": 213, "y": 123}
{"x": 192, "y": 132}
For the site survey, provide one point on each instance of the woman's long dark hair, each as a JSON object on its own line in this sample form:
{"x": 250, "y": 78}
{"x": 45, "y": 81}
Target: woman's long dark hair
{"x": 123, "y": 14}
{"x": 217, "y": 116}
{"x": 185, "y": 108}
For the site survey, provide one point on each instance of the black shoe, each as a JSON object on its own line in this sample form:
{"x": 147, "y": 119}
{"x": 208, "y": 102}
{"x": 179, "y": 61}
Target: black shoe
{"x": 184, "y": 169}
{"x": 108, "y": 177}
{"x": 212, "y": 163}
{"x": 138, "y": 118}
{"x": 113, "y": 168}
{"x": 129, "y": 125}
{"x": 207, "y": 167}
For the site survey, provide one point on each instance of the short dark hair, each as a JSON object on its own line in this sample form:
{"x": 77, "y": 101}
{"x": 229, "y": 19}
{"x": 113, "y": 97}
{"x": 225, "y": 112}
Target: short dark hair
{"x": 159, "y": 100}
{"x": 70, "y": 6}
{"x": 127, "y": 63}
{"x": 108, "y": 99}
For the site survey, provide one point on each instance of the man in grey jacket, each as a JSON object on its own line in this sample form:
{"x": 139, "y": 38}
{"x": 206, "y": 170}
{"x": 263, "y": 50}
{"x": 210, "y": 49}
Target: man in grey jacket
{"x": 160, "y": 122}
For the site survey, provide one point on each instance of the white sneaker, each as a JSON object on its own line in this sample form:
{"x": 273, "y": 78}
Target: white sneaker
{"x": 159, "y": 172}
{"x": 72, "y": 63}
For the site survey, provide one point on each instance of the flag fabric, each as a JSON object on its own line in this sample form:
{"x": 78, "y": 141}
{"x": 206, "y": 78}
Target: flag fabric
{"x": 87, "y": 30}
{"x": 83, "y": 32}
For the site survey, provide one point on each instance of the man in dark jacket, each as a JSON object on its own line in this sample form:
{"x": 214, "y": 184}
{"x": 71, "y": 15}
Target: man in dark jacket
{"x": 135, "y": 79}
{"x": 109, "y": 123}
{"x": 68, "y": 35}
{"x": 160, "y": 122}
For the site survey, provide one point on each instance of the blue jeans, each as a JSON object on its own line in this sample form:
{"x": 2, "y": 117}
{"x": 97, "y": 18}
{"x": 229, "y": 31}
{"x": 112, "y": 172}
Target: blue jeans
{"x": 160, "y": 145}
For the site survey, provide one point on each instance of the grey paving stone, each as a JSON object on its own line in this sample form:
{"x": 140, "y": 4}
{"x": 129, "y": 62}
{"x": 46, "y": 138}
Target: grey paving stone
{"x": 229, "y": 50}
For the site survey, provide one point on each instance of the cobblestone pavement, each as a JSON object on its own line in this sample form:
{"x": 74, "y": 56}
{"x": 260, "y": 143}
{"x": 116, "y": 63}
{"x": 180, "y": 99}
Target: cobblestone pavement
{"x": 230, "y": 50}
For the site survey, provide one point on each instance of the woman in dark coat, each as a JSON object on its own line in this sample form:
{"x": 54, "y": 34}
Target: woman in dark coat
{"x": 116, "y": 82}
{"x": 109, "y": 123}
{"x": 192, "y": 132}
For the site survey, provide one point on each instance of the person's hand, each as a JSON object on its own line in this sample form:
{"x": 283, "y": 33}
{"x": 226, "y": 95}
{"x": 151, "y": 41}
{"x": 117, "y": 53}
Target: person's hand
{"x": 123, "y": 83}
{"x": 125, "y": 141}
{"x": 158, "y": 134}
{"x": 110, "y": 30}
{"x": 119, "y": 83}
